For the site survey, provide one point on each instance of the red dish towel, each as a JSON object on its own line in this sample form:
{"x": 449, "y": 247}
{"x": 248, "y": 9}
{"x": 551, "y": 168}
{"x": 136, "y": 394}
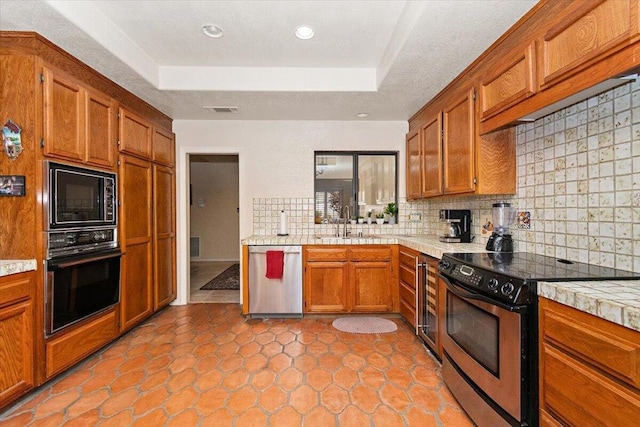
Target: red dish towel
{"x": 275, "y": 264}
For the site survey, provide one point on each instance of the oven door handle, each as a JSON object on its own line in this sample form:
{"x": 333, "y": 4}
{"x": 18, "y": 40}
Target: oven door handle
{"x": 463, "y": 293}
{"x": 55, "y": 266}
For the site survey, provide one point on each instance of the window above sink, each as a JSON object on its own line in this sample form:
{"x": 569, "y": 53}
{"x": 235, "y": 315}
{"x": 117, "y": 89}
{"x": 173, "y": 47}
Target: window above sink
{"x": 366, "y": 181}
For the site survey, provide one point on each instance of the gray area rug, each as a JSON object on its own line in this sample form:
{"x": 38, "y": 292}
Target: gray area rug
{"x": 228, "y": 280}
{"x": 364, "y": 325}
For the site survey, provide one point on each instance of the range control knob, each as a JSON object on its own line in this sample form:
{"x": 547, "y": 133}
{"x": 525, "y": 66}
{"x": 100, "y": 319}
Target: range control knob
{"x": 444, "y": 264}
{"x": 99, "y": 236}
{"x": 71, "y": 239}
{"x": 493, "y": 284}
{"x": 507, "y": 288}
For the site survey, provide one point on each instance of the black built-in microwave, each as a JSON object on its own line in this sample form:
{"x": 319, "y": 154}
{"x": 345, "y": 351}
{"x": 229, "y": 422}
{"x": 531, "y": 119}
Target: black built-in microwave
{"x": 80, "y": 197}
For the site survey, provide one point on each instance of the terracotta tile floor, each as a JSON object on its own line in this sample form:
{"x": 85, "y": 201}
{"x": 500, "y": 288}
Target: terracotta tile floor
{"x": 203, "y": 364}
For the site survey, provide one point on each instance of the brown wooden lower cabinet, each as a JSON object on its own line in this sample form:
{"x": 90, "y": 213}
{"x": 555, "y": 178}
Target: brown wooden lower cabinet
{"x": 350, "y": 278}
{"x": 589, "y": 369}
{"x": 64, "y": 351}
{"x": 408, "y": 282}
{"x": 16, "y": 336}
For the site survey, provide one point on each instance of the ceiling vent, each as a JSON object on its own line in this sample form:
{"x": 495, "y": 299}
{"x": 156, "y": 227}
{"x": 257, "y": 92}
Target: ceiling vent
{"x": 214, "y": 109}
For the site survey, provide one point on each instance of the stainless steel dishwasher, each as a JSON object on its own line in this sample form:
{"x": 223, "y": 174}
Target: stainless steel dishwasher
{"x": 275, "y": 297}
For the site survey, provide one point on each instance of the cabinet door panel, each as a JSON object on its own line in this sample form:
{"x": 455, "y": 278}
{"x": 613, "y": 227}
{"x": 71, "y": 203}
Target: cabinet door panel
{"x": 431, "y": 146}
{"x": 63, "y": 117}
{"x": 163, "y": 147}
{"x": 101, "y": 131}
{"x": 135, "y": 134}
{"x": 414, "y": 175}
{"x": 593, "y": 29}
{"x": 136, "y": 231}
{"x": 458, "y": 146}
{"x": 371, "y": 286}
{"x": 16, "y": 351}
{"x": 580, "y": 396}
{"x": 326, "y": 286}
{"x": 513, "y": 81}
{"x": 164, "y": 236}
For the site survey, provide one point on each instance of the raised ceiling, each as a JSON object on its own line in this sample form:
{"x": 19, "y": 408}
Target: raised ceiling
{"x": 386, "y": 58}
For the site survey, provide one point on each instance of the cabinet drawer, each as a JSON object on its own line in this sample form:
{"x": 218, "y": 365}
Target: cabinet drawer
{"x": 408, "y": 276}
{"x": 408, "y": 259}
{"x": 326, "y": 254}
{"x": 15, "y": 287}
{"x": 578, "y": 395}
{"x": 371, "y": 254}
{"x": 408, "y": 312}
{"x": 610, "y": 347}
{"x": 408, "y": 295}
{"x": 68, "y": 349}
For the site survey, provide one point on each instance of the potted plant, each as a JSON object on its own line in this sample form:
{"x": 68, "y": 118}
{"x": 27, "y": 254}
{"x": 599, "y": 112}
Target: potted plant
{"x": 380, "y": 218}
{"x": 354, "y": 219}
{"x": 360, "y": 219}
{"x": 392, "y": 211}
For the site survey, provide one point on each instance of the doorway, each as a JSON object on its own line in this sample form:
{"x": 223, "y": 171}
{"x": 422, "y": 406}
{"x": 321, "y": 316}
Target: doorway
{"x": 214, "y": 244}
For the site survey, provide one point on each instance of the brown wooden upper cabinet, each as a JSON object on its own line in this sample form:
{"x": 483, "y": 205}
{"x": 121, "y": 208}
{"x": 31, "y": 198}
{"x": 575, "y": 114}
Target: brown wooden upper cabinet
{"x": 513, "y": 80}
{"x": 582, "y": 35}
{"x": 163, "y": 147}
{"x": 79, "y": 122}
{"x": 135, "y": 134}
{"x": 424, "y": 160}
{"x": 458, "y": 139}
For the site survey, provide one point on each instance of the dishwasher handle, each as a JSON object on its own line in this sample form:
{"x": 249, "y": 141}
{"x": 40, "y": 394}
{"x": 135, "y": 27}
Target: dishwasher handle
{"x": 285, "y": 249}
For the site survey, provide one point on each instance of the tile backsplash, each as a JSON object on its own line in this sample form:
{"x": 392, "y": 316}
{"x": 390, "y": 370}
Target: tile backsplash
{"x": 578, "y": 177}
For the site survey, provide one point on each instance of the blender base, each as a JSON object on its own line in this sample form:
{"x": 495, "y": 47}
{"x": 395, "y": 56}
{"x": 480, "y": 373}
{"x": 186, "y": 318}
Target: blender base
{"x": 500, "y": 243}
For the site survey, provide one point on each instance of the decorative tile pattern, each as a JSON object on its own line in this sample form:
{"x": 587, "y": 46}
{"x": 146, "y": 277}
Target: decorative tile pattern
{"x": 205, "y": 365}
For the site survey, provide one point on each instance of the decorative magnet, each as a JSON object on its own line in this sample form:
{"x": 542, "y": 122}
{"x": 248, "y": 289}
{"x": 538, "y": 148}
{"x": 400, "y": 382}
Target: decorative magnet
{"x": 524, "y": 220}
{"x": 12, "y": 140}
{"x": 12, "y": 185}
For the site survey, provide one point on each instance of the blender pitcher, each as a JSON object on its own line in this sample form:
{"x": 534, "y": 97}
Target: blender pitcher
{"x": 503, "y": 216}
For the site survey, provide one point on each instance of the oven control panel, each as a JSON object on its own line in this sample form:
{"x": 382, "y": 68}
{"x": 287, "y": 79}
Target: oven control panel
{"x": 491, "y": 284}
{"x": 64, "y": 243}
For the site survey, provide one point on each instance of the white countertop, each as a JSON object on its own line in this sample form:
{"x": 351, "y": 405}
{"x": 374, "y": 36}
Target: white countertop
{"x": 9, "y": 266}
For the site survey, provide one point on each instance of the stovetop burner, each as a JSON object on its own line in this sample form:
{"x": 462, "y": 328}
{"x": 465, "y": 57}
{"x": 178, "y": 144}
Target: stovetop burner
{"x": 521, "y": 265}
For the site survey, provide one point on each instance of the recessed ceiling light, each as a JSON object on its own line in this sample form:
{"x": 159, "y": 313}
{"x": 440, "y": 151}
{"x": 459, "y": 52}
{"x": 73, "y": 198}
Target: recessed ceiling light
{"x": 362, "y": 115}
{"x": 304, "y": 33}
{"x": 212, "y": 31}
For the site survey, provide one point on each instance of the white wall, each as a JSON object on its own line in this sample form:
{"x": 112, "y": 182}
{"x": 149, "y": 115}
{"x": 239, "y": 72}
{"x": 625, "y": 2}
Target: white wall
{"x": 275, "y": 160}
{"x": 214, "y": 216}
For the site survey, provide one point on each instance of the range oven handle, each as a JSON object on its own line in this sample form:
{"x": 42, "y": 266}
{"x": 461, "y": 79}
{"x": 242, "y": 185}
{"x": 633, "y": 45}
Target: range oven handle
{"x": 463, "y": 293}
{"x": 52, "y": 265}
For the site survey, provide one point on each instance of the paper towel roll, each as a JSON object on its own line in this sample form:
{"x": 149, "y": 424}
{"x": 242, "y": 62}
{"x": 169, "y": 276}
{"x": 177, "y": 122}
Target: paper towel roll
{"x": 283, "y": 224}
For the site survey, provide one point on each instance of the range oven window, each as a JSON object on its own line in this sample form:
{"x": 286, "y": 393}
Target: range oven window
{"x": 475, "y": 331}
{"x": 81, "y": 287}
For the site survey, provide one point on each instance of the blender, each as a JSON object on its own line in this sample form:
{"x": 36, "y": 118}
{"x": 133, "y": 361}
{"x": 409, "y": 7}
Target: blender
{"x": 503, "y": 216}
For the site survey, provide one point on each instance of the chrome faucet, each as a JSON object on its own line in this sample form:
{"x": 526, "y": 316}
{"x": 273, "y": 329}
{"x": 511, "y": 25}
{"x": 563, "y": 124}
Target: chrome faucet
{"x": 345, "y": 233}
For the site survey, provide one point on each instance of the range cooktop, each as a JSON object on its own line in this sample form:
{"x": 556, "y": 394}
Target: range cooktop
{"x": 526, "y": 266}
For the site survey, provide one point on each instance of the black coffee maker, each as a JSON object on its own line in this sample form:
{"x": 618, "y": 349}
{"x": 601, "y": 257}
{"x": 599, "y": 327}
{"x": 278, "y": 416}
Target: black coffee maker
{"x": 456, "y": 226}
{"x": 502, "y": 215}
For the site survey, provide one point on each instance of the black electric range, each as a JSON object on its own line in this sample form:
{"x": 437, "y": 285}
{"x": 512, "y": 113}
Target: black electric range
{"x": 511, "y": 277}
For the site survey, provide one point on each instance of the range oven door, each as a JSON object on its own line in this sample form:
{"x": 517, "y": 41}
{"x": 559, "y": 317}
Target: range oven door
{"x": 80, "y": 287}
{"x": 482, "y": 343}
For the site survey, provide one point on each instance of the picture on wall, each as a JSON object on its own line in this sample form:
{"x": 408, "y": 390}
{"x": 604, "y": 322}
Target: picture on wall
{"x": 12, "y": 185}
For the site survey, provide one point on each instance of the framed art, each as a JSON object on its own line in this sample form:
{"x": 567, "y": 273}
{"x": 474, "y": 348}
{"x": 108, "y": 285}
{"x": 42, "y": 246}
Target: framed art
{"x": 12, "y": 185}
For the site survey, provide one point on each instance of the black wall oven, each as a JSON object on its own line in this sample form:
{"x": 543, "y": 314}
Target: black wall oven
{"x": 81, "y": 286}
{"x": 80, "y": 197}
{"x": 490, "y": 337}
